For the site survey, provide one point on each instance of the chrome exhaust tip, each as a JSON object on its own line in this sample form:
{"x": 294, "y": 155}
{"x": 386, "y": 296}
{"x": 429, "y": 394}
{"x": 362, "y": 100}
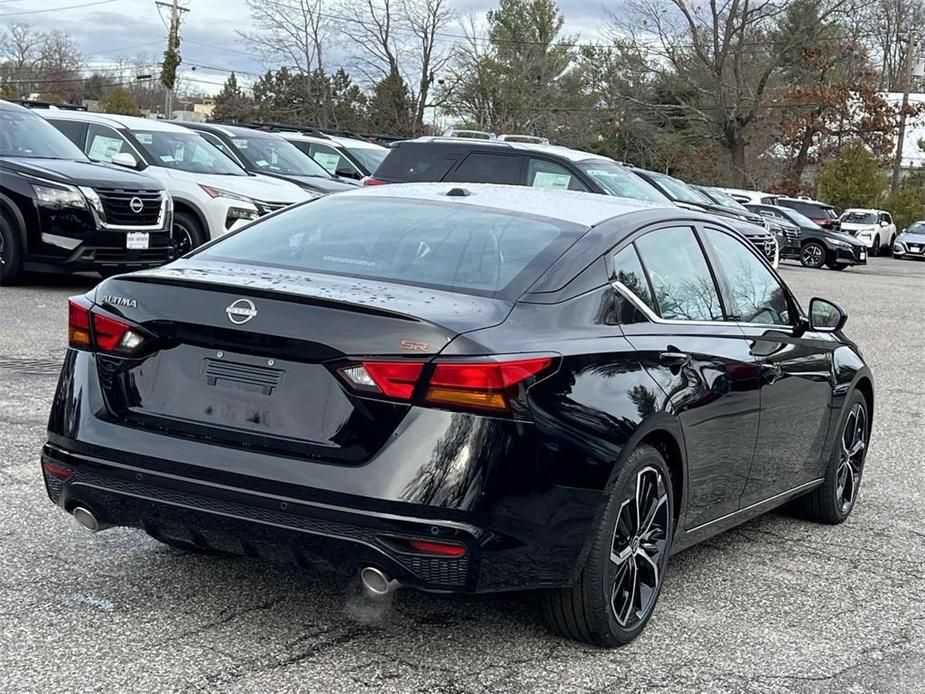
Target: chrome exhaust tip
{"x": 376, "y": 583}
{"x": 87, "y": 519}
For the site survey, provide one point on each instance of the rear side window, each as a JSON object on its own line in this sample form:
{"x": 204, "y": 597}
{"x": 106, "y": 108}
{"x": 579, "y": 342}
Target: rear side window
{"x": 416, "y": 164}
{"x": 627, "y": 270}
{"x": 681, "y": 279}
{"x": 488, "y": 168}
{"x": 546, "y": 174}
{"x": 458, "y": 247}
{"x": 75, "y": 131}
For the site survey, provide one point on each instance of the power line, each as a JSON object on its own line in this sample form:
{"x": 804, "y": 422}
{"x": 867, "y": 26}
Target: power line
{"x": 57, "y": 9}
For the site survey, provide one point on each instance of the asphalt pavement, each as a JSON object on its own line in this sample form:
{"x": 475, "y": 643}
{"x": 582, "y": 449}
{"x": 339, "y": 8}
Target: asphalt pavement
{"x": 777, "y": 605}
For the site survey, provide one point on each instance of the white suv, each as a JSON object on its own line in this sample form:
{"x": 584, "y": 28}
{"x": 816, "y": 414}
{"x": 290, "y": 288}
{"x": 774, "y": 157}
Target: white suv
{"x": 341, "y": 156}
{"x": 212, "y": 194}
{"x": 874, "y": 228}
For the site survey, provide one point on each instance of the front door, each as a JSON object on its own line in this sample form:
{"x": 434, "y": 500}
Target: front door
{"x": 796, "y": 384}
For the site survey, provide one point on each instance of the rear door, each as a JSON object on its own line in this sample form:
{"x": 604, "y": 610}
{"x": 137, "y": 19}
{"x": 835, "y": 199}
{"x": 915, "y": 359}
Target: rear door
{"x": 701, "y": 360}
{"x": 796, "y": 389}
{"x": 488, "y": 167}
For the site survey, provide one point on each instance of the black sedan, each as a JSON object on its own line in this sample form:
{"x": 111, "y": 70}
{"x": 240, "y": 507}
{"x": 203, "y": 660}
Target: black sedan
{"x": 818, "y": 247}
{"x": 910, "y": 243}
{"x": 461, "y": 390}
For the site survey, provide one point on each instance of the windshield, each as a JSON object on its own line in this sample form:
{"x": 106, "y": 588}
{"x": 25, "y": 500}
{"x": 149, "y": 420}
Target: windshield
{"x": 277, "y": 156}
{"x": 799, "y": 219}
{"x": 852, "y": 217}
{"x": 813, "y": 210}
{"x": 413, "y": 242}
{"x": 726, "y": 200}
{"x": 917, "y": 228}
{"x": 185, "y": 152}
{"x": 24, "y": 134}
{"x": 678, "y": 191}
{"x": 620, "y": 182}
{"x": 369, "y": 157}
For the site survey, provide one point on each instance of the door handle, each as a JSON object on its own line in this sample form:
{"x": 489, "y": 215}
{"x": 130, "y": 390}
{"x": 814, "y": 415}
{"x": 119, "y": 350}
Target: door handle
{"x": 770, "y": 372}
{"x": 674, "y": 359}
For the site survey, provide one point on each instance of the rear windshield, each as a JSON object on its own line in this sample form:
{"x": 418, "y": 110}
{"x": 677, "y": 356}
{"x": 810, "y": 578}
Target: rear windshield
{"x": 416, "y": 163}
{"x": 429, "y": 244}
{"x": 813, "y": 210}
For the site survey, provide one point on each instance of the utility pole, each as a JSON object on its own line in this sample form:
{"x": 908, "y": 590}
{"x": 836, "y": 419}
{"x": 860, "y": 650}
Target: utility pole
{"x": 171, "y": 55}
{"x": 907, "y": 85}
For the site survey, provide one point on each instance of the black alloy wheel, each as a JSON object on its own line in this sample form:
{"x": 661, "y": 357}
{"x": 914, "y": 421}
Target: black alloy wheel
{"x": 619, "y": 586}
{"x": 833, "y": 501}
{"x": 812, "y": 255}
{"x": 186, "y": 233}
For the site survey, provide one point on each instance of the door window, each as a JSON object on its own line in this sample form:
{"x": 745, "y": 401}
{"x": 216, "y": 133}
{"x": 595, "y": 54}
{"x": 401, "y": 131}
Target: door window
{"x": 104, "y": 143}
{"x": 758, "y": 296}
{"x": 221, "y": 146}
{"x": 681, "y": 279}
{"x": 332, "y": 160}
{"x": 75, "y": 131}
{"x": 546, "y": 174}
{"x": 488, "y": 168}
{"x": 627, "y": 270}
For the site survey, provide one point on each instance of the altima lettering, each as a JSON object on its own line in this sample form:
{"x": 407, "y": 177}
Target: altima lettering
{"x": 120, "y": 301}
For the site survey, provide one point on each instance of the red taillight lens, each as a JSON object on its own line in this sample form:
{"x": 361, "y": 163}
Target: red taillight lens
{"x": 483, "y": 385}
{"x": 107, "y": 335}
{"x": 394, "y": 379}
{"x": 444, "y": 549}
{"x": 55, "y": 470}
{"x": 78, "y": 323}
{"x": 370, "y": 181}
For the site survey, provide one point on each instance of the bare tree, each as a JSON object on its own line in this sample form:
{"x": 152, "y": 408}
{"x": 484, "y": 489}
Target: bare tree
{"x": 400, "y": 40}
{"x": 893, "y": 22}
{"x": 293, "y": 33}
{"x": 20, "y": 54}
{"x": 725, "y": 57}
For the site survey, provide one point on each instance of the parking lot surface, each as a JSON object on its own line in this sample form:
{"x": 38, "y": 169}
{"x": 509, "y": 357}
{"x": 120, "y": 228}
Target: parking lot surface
{"x": 777, "y": 605}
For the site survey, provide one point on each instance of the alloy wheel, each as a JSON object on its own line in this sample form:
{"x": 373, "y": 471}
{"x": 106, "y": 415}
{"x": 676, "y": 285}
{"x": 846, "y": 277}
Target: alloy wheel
{"x": 183, "y": 239}
{"x": 812, "y": 255}
{"x": 639, "y": 543}
{"x": 851, "y": 458}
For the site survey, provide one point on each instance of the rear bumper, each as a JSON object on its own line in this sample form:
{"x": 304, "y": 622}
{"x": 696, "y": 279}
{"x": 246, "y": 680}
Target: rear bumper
{"x": 308, "y": 533}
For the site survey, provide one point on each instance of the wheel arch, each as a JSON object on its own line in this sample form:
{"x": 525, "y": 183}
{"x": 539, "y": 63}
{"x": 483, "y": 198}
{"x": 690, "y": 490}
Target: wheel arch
{"x": 185, "y": 206}
{"x": 11, "y": 211}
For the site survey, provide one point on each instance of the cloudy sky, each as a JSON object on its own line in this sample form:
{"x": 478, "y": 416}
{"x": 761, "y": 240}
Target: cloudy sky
{"x": 107, "y": 29}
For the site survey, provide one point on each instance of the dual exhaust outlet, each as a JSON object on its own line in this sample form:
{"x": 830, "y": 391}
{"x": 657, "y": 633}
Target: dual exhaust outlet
{"x": 376, "y": 582}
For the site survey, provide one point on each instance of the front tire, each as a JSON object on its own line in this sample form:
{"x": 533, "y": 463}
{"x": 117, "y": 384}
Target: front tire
{"x": 812, "y": 255}
{"x": 10, "y": 253}
{"x": 875, "y": 249}
{"x": 615, "y": 595}
{"x": 833, "y": 502}
{"x": 187, "y": 233}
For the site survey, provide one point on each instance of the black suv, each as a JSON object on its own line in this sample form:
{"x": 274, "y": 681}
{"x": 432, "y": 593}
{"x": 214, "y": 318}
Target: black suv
{"x": 60, "y": 212}
{"x": 527, "y": 161}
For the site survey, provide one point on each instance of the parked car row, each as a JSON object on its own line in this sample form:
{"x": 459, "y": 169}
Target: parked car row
{"x": 774, "y": 225}
{"x": 107, "y": 193}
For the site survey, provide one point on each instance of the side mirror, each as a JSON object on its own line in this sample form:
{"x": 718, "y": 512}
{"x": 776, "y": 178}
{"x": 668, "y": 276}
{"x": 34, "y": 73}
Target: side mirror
{"x": 884, "y": 223}
{"x": 125, "y": 159}
{"x": 825, "y": 316}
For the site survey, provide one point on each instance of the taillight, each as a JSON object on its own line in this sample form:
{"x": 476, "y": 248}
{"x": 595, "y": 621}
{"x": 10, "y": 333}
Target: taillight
{"x": 444, "y": 549}
{"x": 370, "y": 181}
{"x": 108, "y": 334}
{"x": 78, "y": 323}
{"x": 483, "y": 385}
{"x": 487, "y": 384}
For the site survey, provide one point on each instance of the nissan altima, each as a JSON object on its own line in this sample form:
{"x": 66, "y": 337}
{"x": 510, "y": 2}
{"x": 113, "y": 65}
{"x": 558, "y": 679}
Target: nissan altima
{"x": 461, "y": 390}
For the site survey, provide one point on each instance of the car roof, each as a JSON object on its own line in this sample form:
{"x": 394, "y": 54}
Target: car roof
{"x": 808, "y": 201}
{"x": 113, "y": 120}
{"x": 862, "y": 209}
{"x": 354, "y": 142}
{"x": 230, "y": 130}
{"x": 10, "y": 106}
{"x": 574, "y": 155}
{"x": 586, "y": 209}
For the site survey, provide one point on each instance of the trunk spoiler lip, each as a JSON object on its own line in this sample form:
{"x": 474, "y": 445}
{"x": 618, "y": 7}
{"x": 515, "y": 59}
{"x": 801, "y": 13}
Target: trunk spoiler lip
{"x": 273, "y": 295}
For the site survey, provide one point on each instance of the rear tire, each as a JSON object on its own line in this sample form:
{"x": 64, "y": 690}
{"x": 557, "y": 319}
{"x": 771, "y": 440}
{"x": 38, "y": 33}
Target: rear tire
{"x": 616, "y": 593}
{"x": 833, "y": 501}
{"x": 812, "y": 255}
{"x": 10, "y": 253}
{"x": 187, "y": 233}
